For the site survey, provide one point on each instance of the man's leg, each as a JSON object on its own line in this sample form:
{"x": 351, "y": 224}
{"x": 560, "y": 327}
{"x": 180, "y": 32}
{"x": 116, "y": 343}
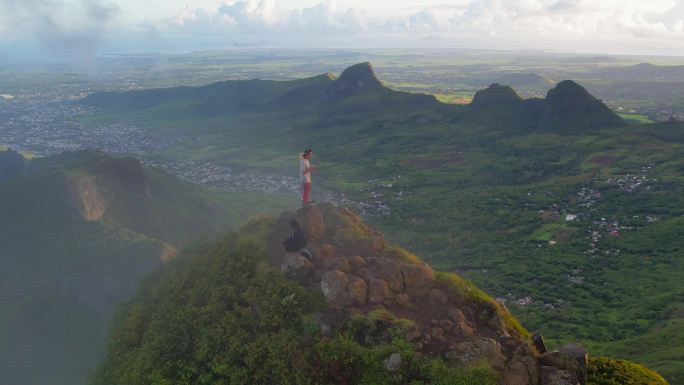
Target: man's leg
{"x": 305, "y": 195}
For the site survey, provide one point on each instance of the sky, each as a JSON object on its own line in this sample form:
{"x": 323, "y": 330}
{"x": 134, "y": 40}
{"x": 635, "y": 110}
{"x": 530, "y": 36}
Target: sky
{"x": 82, "y": 29}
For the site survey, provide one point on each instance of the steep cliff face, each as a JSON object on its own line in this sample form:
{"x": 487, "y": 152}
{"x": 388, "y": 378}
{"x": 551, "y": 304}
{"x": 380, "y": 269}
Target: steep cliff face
{"x": 91, "y": 192}
{"x": 355, "y": 79}
{"x": 78, "y": 232}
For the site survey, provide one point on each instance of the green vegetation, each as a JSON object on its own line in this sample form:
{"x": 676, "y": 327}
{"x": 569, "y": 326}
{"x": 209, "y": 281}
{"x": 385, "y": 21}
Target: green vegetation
{"x": 78, "y": 231}
{"x": 636, "y": 118}
{"x": 661, "y": 349}
{"x": 220, "y": 315}
{"x": 606, "y": 371}
{"x": 482, "y": 191}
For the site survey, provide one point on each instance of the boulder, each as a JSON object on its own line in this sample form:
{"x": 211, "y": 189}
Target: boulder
{"x": 554, "y": 376}
{"x": 579, "y": 355}
{"x": 521, "y": 368}
{"x": 403, "y": 300}
{"x": 571, "y": 358}
{"x": 393, "y": 363}
{"x": 338, "y": 263}
{"x": 358, "y": 290}
{"x": 516, "y": 374}
{"x": 464, "y": 329}
{"x": 437, "y": 334}
{"x": 297, "y": 267}
{"x": 313, "y": 222}
{"x": 418, "y": 279}
{"x": 457, "y": 315}
{"x": 325, "y": 250}
{"x": 334, "y": 286}
{"x": 496, "y": 324}
{"x": 469, "y": 352}
{"x": 446, "y": 324}
{"x": 356, "y": 262}
{"x": 438, "y": 297}
{"x": 387, "y": 269}
{"x": 378, "y": 290}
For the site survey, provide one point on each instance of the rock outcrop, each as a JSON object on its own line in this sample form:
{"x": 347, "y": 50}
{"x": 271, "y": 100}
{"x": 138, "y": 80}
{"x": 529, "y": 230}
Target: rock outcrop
{"x": 568, "y": 107}
{"x": 495, "y": 96}
{"x": 358, "y": 273}
{"x": 357, "y": 78}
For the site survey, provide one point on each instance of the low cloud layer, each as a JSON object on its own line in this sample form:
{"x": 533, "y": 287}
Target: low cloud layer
{"x": 525, "y": 21}
{"x": 74, "y": 30}
{"x": 84, "y": 27}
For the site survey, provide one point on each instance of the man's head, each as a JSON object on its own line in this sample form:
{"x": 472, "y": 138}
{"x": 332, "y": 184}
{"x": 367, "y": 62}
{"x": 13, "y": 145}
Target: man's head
{"x": 307, "y": 154}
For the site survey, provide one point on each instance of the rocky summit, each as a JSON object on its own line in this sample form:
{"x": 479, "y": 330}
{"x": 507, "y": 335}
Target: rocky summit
{"x": 359, "y": 273}
{"x": 494, "y": 96}
{"x": 357, "y": 78}
{"x": 350, "y": 309}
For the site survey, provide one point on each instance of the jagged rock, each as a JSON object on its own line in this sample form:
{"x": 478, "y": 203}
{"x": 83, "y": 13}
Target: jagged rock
{"x": 334, "y": 286}
{"x": 438, "y": 297}
{"x": 581, "y": 356}
{"x": 496, "y": 323}
{"x": 469, "y": 352}
{"x": 508, "y": 342}
{"x": 373, "y": 244}
{"x": 516, "y": 374}
{"x": 522, "y": 368}
{"x": 312, "y": 220}
{"x": 437, "y": 334}
{"x": 554, "y": 376}
{"x": 378, "y": 290}
{"x": 338, "y": 263}
{"x": 356, "y": 262}
{"x": 457, "y": 315}
{"x": 327, "y": 250}
{"x": 389, "y": 270}
{"x": 358, "y": 290}
{"x": 464, "y": 329}
{"x": 295, "y": 266}
{"x": 571, "y": 358}
{"x": 446, "y": 324}
{"x": 538, "y": 341}
{"x": 403, "y": 300}
{"x": 418, "y": 279}
{"x": 393, "y": 363}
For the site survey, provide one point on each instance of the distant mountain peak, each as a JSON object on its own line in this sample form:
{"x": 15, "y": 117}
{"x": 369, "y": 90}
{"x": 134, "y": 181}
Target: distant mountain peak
{"x": 362, "y": 72}
{"x": 495, "y": 95}
{"x": 571, "y": 105}
{"x": 357, "y": 78}
{"x": 568, "y": 89}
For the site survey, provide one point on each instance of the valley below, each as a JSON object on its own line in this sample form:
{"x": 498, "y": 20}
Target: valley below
{"x": 577, "y": 230}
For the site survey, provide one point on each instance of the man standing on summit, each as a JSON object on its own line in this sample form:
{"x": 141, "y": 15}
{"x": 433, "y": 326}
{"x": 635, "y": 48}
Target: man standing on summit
{"x": 305, "y": 171}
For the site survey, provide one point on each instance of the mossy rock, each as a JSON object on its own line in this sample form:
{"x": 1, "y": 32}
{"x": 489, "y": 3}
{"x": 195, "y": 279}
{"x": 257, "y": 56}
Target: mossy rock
{"x": 608, "y": 371}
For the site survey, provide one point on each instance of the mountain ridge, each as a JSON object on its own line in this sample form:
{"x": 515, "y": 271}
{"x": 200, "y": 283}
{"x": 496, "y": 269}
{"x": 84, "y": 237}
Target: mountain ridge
{"x": 358, "y": 311}
{"x": 358, "y": 90}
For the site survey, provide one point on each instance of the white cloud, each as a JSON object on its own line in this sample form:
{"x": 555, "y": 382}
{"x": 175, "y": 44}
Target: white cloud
{"x": 631, "y": 26}
{"x": 542, "y": 18}
{"x": 65, "y": 28}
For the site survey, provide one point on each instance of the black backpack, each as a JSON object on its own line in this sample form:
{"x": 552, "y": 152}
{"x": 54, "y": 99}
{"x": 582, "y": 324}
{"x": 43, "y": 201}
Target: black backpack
{"x": 296, "y": 241}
